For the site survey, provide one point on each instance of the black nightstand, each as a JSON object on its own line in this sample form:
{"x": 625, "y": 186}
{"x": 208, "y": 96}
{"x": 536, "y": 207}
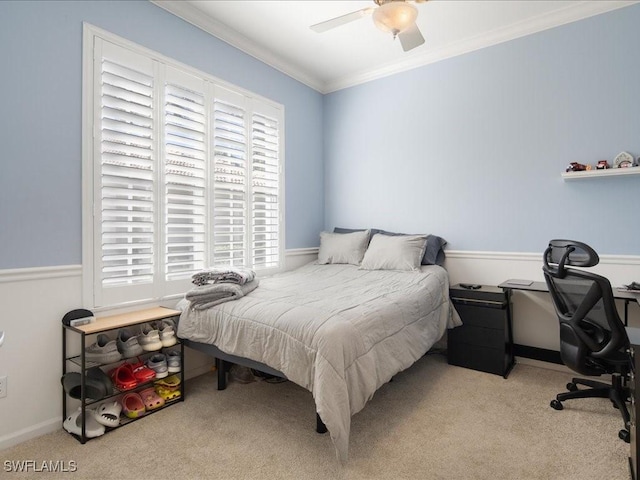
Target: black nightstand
{"x": 485, "y": 340}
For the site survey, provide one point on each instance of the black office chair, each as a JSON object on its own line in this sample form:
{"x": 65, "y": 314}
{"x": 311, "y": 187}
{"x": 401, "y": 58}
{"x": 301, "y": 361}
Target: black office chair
{"x": 593, "y": 339}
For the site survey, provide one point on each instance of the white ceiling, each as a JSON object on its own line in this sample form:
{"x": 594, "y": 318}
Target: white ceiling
{"x": 277, "y": 32}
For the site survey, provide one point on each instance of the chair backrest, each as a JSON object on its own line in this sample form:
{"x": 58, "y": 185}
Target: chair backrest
{"x": 590, "y": 328}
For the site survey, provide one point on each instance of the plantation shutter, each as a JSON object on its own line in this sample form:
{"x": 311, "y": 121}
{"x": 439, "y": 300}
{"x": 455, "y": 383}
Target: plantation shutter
{"x": 265, "y": 165}
{"x": 184, "y": 175}
{"x": 127, "y": 163}
{"x": 229, "y": 180}
{"x": 181, "y": 172}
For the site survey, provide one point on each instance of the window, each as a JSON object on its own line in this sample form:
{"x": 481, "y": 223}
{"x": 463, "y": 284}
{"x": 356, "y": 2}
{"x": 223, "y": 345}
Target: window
{"x": 181, "y": 172}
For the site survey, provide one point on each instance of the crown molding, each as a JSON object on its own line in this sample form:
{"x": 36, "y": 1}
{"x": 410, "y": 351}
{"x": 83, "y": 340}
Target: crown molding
{"x": 193, "y": 15}
{"x": 572, "y": 13}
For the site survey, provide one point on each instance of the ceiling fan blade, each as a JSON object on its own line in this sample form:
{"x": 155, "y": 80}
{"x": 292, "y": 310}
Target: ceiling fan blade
{"x": 341, "y": 20}
{"x": 411, "y": 38}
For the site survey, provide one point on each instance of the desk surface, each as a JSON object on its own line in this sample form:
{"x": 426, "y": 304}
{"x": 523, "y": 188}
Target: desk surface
{"x": 528, "y": 285}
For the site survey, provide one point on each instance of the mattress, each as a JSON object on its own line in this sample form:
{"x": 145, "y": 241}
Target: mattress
{"x": 336, "y": 330}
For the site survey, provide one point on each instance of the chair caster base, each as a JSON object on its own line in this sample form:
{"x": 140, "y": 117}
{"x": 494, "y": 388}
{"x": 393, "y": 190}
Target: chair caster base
{"x": 625, "y": 436}
{"x": 556, "y": 404}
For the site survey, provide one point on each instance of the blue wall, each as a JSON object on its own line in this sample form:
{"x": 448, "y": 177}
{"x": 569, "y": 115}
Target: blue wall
{"x": 472, "y": 148}
{"x": 40, "y": 125}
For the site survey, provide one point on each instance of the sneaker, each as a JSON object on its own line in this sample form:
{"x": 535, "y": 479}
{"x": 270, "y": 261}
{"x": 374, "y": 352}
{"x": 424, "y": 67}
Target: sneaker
{"x": 149, "y": 338}
{"x": 104, "y": 350}
{"x": 158, "y": 363}
{"x": 128, "y": 344}
{"x": 174, "y": 363}
{"x": 167, "y": 331}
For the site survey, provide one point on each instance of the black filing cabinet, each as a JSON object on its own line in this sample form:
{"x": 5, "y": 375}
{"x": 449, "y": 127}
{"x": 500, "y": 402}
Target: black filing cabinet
{"x": 485, "y": 340}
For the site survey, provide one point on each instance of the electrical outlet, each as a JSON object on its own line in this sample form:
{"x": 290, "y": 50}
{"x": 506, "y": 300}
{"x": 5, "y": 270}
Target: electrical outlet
{"x": 3, "y": 386}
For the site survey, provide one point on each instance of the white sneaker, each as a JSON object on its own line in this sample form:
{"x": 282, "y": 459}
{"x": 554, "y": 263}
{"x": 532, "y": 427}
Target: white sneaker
{"x": 167, "y": 331}
{"x": 149, "y": 338}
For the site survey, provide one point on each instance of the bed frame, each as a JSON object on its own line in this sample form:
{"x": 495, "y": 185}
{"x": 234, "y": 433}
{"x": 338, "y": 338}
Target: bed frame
{"x": 224, "y": 362}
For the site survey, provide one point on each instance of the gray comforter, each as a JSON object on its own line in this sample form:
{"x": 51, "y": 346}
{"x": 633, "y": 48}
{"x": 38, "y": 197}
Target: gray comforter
{"x": 336, "y": 330}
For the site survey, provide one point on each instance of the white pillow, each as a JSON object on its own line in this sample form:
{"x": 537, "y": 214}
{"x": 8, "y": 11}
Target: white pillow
{"x": 342, "y": 247}
{"x": 397, "y": 252}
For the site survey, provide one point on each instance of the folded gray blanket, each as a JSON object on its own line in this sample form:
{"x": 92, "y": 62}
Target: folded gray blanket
{"x": 206, "y": 296}
{"x": 227, "y": 275}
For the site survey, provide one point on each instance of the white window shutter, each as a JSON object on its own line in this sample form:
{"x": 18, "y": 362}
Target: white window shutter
{"x": 229, "y": 206}
{"x": 184, "y": 172}
{"x": 127, "y": 166}
{"x": 184, "y": 176}
{"x": 266, "y": 198}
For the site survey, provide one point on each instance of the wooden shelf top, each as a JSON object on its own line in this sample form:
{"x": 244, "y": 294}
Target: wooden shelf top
{"x": 130, "y": 318}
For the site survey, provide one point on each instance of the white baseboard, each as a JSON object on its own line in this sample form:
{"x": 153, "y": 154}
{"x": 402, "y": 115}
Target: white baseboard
{"x": 546, "y": 365}
{"x": 34, "y": 431}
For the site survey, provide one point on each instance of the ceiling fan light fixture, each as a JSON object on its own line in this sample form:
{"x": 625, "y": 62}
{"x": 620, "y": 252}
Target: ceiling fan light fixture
{"x": 394, "y": 16}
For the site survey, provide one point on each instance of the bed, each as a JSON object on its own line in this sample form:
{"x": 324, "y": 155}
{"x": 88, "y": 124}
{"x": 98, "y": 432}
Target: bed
{"x": 336, "y": 329}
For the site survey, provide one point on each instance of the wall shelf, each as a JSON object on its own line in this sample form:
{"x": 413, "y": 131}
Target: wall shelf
{"x": 609, "y": 172}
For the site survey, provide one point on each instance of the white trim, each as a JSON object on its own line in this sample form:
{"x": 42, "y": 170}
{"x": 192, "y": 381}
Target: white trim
{"x": 42, "y": 428}
{"x": 627, "y": 260}
{"x": 39, "y": 273}
{"x": 294, "y": 252}
{"x": 194, "y": 16}
{"x": 572, "y": 13}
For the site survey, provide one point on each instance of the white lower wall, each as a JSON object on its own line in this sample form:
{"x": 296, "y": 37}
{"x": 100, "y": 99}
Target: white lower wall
{"x": 34, "y": 301}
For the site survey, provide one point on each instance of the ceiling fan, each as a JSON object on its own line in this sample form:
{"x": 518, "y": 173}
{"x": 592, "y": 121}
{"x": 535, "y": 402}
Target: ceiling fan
{"x": 395, "y": 16}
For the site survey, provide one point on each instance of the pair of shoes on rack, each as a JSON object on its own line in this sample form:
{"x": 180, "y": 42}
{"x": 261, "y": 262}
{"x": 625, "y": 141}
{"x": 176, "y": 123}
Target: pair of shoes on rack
{"x": 132, "y": 405}
{"x": 73, "y": 424}
{"x": 158, "y": 363}
{"x": 153, "y": 336}
{"x": 128, "y": 344}
{"x": 136, "y": 404}
{"x": 129, "y": 375}
{"x": 104, "y": 350}
{"x": 168, "y": 388}
{"x": 107, "y": 414}
{"x": 104, "y": 415}
{"x": 174, "y": 361}
{"x": 97, "y": 384}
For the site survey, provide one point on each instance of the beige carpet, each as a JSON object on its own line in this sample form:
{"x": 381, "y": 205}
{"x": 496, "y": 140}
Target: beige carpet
{"x": 434, "y": 421}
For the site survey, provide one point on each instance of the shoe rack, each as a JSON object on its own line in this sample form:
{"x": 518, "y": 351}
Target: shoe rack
{"x": 78, "y": 363}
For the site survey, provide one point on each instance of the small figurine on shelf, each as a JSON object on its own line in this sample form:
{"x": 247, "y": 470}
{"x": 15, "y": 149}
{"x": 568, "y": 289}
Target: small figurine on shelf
{"x": 576, "y": 167}
{"x": 623, "y": 160}
{"x": 602, "y": 165}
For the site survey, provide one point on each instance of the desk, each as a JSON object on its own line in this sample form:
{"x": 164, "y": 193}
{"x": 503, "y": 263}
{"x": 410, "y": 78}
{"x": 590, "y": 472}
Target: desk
{"x": 542, "y": 354}
{"x": 530, "y": 286}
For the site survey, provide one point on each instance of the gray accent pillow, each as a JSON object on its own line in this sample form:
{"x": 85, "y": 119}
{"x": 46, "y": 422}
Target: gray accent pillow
{"x": 394, "y": 252}
{"x": 343, "y": 247}
{"x": 433, "y": 255}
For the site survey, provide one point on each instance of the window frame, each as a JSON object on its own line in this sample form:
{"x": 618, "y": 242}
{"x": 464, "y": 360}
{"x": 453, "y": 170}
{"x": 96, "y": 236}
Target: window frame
{"x": 91, "y": 156}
